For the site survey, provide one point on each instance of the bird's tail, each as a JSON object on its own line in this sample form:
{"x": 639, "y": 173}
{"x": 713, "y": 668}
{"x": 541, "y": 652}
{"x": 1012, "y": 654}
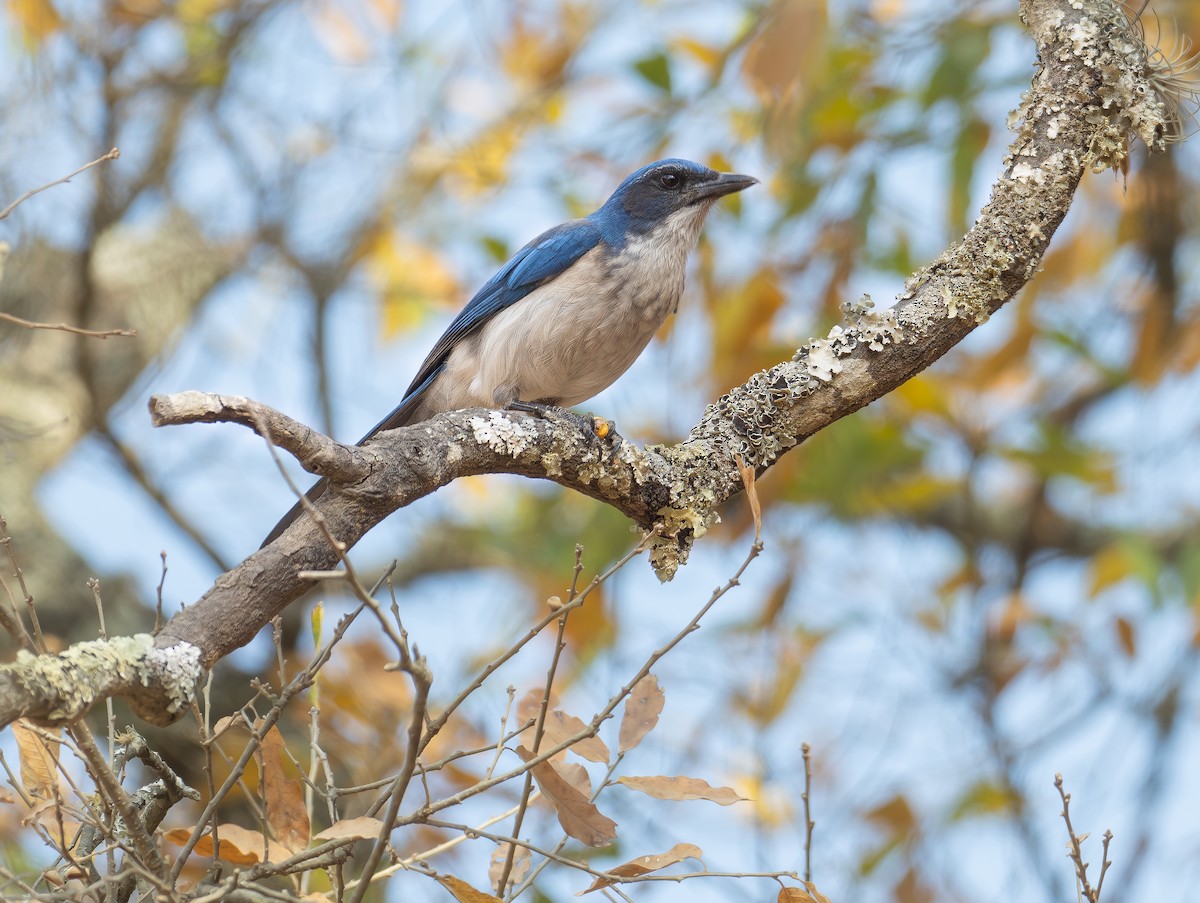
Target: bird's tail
{"x": 403, "y": 415}
{"x": 317, "y": 490}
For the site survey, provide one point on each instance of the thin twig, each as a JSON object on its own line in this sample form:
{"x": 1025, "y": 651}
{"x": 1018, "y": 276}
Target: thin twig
{"x": 111, "y": 155}
{"x": 36, "y": 641}
{"x": 604, "y": 714}
{"x": 806, "y": 750}
{"x": 1076, "y": 854}
{"x": 438, "y": 723}
{"x": 540, "y": 727}
{"x": 67, "y": 327}
{"x": 158, "y": 594}
{"x": 298, "y": 684}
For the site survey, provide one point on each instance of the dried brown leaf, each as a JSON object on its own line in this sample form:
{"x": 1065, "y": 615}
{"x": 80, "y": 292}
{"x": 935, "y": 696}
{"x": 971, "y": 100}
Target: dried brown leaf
{"x": 363, "y": 828}
{"x": 287, "y": 816}
{"x": 62, "y": 830}
{"x": 806, "y": 894}
{"x": 224, "y": 724}
{"x": 747, "y": 474}
{"x": 644, "y": 865}
{"x": 463, "y": 892}
{"x": 560, "y": 726}
{"x": 576, "y": 814}
{"x": 681, "y": 788}
{"x": 239, "y": 845}
{"x": 520, "y": 866}
{"x": 575, "y": 775}
{"x": 39, "y": 761}
{"x": 1126, "y": 637}
{"x": 642, "y": 708}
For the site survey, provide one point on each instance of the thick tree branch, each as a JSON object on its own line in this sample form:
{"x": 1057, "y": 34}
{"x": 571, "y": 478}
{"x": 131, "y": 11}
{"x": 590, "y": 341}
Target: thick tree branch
{"x": 1089, "y": 95}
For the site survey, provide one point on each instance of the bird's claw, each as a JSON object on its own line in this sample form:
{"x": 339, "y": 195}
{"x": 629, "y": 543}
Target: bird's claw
{"x": 588, "y": 423}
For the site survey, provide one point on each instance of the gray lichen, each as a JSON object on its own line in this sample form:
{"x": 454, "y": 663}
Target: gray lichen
{"x": 122, "y": 666}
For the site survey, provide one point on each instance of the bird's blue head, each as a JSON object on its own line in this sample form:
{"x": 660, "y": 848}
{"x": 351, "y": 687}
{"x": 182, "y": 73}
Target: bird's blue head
{"x": 655, "y": 193}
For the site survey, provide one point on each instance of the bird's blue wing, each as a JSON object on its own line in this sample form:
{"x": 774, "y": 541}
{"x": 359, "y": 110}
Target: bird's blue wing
{"x": 547, "y": 256}
{"x": 544, "y": 258}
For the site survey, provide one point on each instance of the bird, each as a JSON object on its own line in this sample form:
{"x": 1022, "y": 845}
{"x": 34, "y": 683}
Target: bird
{"x": 570, "y": 311}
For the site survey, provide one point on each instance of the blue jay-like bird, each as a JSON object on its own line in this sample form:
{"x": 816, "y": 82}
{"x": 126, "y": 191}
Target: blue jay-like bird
{"x": 571, "y": 310}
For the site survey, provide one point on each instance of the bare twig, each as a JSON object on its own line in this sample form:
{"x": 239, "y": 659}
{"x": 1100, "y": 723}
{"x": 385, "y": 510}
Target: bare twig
{"x": 67, "y": 327}
{"x": 34, "y": 642}
{"x": 806, "y": 750}
{"x": 540, "y": 726}
{"x": 298, "y": 684}
{"x": 1076, "y": 849}
{"x": 111, "y": 155}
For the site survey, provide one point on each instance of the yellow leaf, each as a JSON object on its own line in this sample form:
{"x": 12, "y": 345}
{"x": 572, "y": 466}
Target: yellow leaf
{"x": 1110, "y": 566}
{"x": 412, "y": 278}
{"x": 770, "y": 806}
{"x": 984, "y": 798}
{"x": 36, "y": 20}
{"x": 196, "y": 11}
{"x": 482, "y": 165}
{"x": 702, "y": 53}
{"x": 39, "y": 761}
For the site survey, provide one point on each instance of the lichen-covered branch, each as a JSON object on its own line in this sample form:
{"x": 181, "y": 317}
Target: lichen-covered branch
{"x": 158, "y": 683}
{"x": 1093, "y": 90}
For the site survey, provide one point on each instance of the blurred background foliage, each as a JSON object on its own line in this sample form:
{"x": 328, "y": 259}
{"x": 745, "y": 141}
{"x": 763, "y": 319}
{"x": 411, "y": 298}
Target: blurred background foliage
{"x": 990, "y": 575}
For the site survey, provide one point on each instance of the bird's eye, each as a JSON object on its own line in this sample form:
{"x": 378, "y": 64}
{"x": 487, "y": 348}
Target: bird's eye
{"x": 669, "y": 180}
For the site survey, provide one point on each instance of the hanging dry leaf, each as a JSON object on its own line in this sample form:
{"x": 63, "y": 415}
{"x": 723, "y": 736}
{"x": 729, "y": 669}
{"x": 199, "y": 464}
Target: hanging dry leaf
{"x": 62, "y": 830}
{"x": 642, "y": 708}
{"x": 644, "y": 865}
{"x": 680, "y": 788}
{"x": 560, "y": 726}
{"x": 39, "y": 761}
{"x": 747, "y": 474}
{"x": 224, "y": 724}
{"x": 806, "y": 894}
{"x": 577, "y": 816}
{"x": 239, "y": 845}
{"x": 287, "y": 815}
{"x": 520, "y": 866}
{"x": 363, "y": 828}
{"x": 463, "y": 892}
{"x": 575, "y": 775}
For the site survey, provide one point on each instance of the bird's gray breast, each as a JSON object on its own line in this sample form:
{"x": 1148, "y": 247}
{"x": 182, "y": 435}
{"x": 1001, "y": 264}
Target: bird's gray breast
{"x": 573, "y": 337}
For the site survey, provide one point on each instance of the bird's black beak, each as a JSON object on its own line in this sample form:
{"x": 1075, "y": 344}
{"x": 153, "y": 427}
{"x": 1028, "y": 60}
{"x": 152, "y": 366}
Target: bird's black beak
{"x": 725, "y": 183}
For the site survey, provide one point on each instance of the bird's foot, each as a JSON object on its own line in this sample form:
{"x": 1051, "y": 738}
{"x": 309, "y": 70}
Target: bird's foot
{"x": 589, "y": 423}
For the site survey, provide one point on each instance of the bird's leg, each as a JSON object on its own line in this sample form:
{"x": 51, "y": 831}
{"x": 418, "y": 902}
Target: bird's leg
{"x": 597, "y": 426}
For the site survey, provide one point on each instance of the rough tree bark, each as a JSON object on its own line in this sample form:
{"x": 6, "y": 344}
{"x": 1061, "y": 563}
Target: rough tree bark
{"x": 1092, "y": 91}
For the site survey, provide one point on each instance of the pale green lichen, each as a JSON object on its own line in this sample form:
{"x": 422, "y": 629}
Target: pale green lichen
{"x": 86, "y": 672}
{"x": 677, "y": 529}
